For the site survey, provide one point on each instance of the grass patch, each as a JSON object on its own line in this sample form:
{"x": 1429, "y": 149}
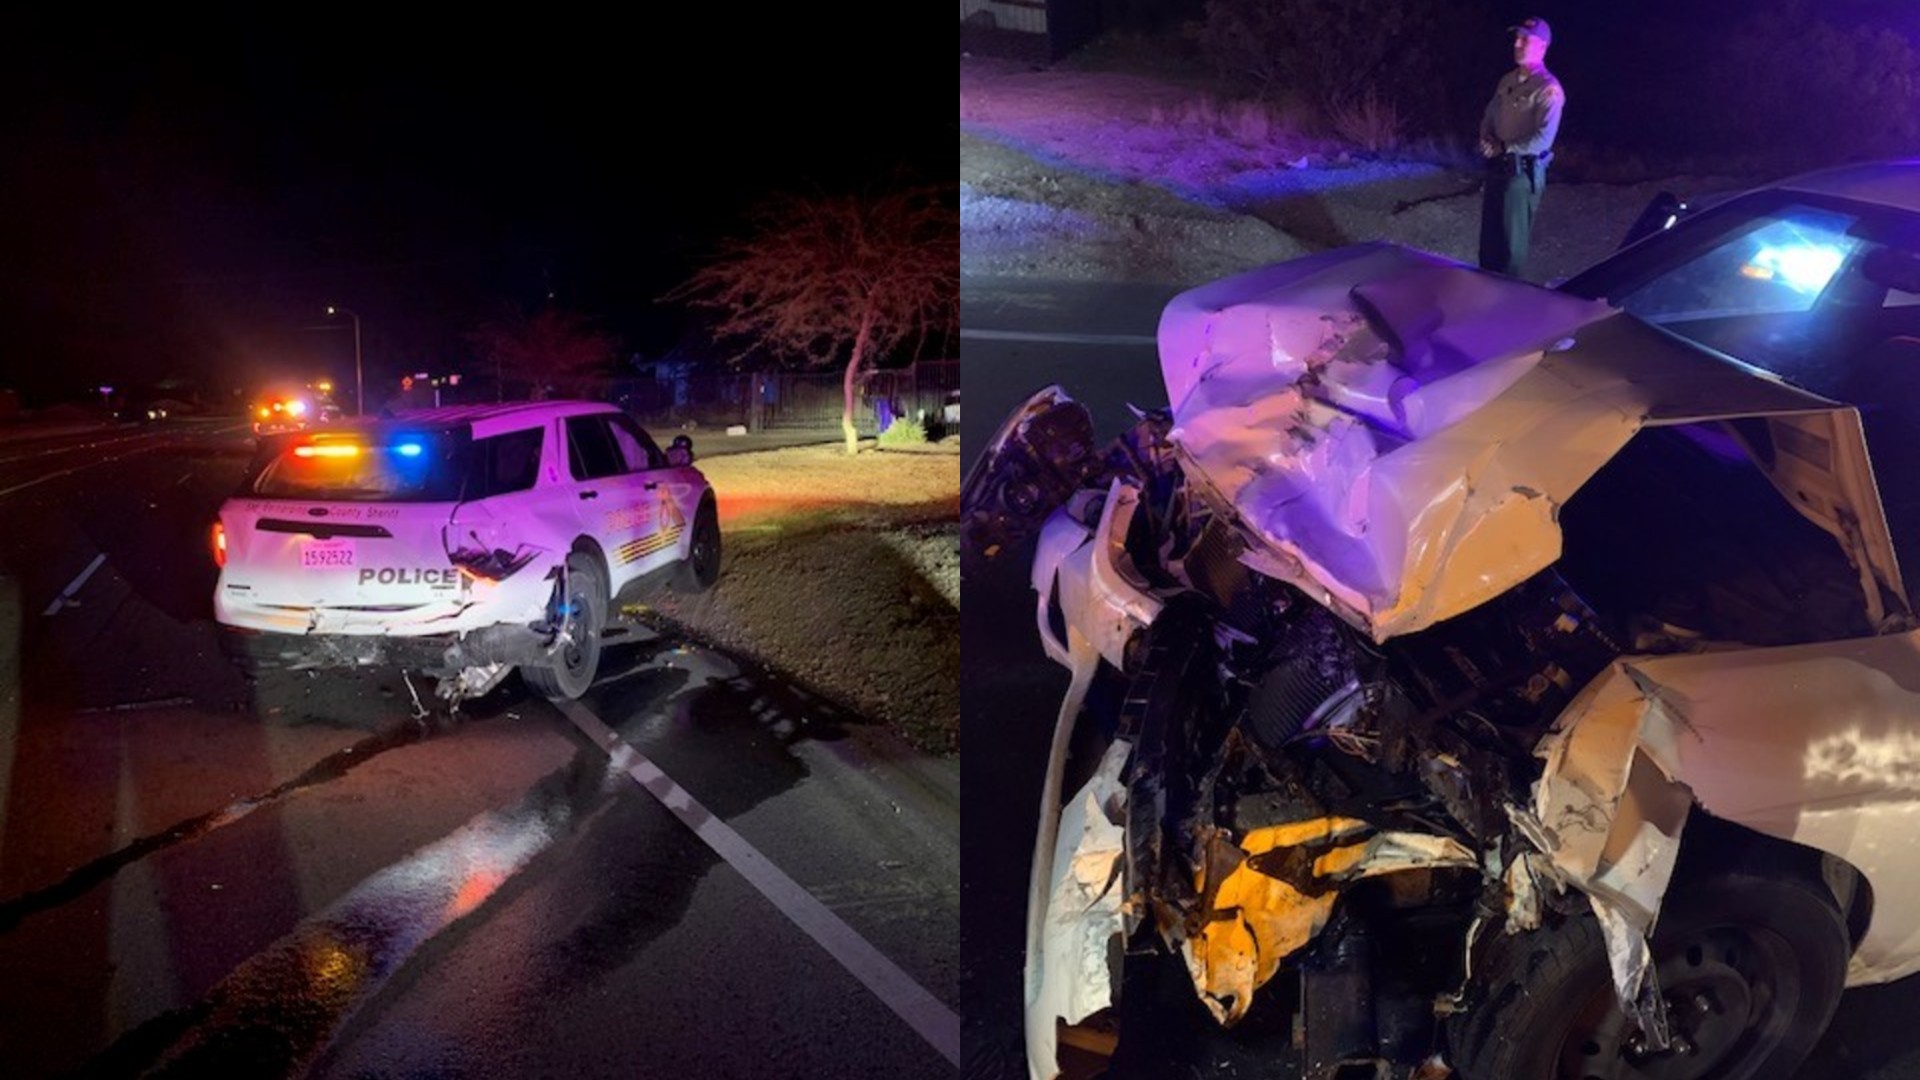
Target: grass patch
{"x": 903, "y": 432}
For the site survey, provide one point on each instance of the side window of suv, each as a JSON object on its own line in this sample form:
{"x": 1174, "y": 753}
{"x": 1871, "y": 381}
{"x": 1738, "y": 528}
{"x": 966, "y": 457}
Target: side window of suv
{"x": 507, "y": 463}
{"x": 591, "y": 453}
{"x": 636, "y": 446}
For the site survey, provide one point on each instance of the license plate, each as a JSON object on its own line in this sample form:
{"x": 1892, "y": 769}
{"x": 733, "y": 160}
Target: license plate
{"x": 325, "y": 554}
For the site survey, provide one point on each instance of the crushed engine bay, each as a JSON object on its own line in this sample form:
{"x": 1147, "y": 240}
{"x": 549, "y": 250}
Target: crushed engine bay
{"x": 1342, "y": 710}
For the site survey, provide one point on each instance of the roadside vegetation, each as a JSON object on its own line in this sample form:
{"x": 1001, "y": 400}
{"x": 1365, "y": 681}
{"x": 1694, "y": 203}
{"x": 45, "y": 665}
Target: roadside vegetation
{"x": 1194, "y": 142}
{"x": 843, "y": 281}
{"x": 1724, "y": 87}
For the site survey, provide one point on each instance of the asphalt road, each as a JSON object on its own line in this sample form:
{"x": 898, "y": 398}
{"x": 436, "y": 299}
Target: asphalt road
{"x": 700, "y": 869}
{"x": 1095, "y": 342}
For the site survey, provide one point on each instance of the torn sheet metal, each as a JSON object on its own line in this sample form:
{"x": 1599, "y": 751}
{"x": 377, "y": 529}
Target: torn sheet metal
{"x": 1612, "y": 810}
{"x": 1257, "y": 920}
{"x": 1082, "y": 924}
{"x": 1059, "y": 539}
{"x": 1392, "y": 852}
{"x": 1279, "y": 892}
{"x": 1528, "y": 878}
{"x": 1813, "y": 743}
{"x": 1048, "y": 978}
{"x": 1089, "y": 572}
{"x": 1397, "y": 432}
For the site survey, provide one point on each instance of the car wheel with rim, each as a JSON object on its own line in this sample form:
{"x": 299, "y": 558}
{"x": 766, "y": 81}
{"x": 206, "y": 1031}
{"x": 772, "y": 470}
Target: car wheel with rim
{"x": 581, "y": 613}
{"x": 702, "y": 567}
{"x": 1750, "y": 966}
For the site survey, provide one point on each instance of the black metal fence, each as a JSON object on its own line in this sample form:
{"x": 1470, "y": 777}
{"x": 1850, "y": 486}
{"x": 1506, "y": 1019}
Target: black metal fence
{"x": 761, "y": 401}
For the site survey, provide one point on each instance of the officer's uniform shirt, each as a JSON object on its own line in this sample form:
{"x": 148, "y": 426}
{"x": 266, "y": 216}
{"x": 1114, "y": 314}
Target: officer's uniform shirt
{"x": 1524, "y": 115}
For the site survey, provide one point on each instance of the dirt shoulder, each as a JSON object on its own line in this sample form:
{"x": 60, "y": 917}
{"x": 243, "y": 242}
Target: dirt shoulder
{"x": 843, "y": 572}
{"x": 1114, "y": 175}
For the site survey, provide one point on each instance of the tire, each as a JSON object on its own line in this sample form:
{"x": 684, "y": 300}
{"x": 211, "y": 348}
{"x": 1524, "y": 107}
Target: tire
{"x": 243, "y": 659}
{"x": 584, "y": 604}
{"x": 1751, "y": 966}
{"x": 702, "y": 566}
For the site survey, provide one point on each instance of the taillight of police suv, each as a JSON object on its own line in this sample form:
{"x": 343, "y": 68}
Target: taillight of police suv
{"x": 219, "y": 544}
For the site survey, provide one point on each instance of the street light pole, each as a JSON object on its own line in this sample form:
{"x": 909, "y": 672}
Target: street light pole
{"x": 359, "y": 385}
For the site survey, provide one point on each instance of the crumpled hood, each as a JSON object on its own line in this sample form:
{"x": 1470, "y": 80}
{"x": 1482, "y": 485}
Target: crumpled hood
{"x": 1395, "y": 432}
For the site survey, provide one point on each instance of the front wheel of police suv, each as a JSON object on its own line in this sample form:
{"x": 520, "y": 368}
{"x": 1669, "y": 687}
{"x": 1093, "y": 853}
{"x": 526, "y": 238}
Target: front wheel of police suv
{"x": 1750, "y": 967}
{"x": 580, "y": 613}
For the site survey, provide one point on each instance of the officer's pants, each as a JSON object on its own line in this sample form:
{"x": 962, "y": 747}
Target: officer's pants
{"x": 1511, "y": 198}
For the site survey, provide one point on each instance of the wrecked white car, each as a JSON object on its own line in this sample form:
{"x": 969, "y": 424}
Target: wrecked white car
{"x": 1484, "y": 677}
{"x": 462, "y": 541}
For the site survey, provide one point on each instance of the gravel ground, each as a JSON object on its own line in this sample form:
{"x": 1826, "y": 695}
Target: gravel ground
{"x": 843, "y": 572}
{"x": 1110, "y": 175}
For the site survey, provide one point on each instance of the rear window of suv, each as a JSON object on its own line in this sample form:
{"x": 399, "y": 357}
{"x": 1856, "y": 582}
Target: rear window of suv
{"x": 373, "y": 465}
{"x": 504, "y": 464}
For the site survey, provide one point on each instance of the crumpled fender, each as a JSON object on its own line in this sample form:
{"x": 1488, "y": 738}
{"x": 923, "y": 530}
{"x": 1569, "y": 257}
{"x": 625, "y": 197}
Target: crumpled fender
{"x": 1812, "y": 744}
{"x": 1090, "y": 574}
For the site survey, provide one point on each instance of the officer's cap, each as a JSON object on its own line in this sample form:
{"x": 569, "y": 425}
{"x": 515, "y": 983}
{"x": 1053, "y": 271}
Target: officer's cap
{"x": 1535, "y": 26}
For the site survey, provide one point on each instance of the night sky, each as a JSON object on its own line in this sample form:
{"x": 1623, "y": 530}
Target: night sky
{"x": 183, "y": 197}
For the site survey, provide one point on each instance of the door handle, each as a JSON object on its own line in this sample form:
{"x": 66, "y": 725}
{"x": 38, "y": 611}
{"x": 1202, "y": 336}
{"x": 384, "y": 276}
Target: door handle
{"x": 654, "y": 486}
{"x": 589, "y": 494}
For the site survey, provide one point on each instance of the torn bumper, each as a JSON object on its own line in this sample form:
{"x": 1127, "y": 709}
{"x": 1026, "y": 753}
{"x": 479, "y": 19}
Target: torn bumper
{"x": 519, "y": 599}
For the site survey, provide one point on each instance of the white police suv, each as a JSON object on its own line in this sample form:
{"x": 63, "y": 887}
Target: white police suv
{"x": 461, "y": 541}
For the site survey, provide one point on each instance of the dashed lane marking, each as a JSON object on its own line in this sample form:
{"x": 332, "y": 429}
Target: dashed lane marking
{"x": 74, "y": 586}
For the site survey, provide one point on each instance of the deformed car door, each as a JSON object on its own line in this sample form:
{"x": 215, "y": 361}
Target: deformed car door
{"x": 512, "y": 521}
{"x": 671, "y": 496}
{"x": 614, "y": 506}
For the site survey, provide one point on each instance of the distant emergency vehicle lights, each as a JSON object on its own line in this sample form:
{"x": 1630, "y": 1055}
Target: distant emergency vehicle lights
{"x": 408, "y": 449}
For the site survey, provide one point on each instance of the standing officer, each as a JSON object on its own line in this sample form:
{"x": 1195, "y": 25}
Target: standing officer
{"x": 1516, "y": 137}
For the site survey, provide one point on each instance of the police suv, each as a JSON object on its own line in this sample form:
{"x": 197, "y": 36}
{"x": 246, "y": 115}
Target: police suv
{"x": 462, "y": 541}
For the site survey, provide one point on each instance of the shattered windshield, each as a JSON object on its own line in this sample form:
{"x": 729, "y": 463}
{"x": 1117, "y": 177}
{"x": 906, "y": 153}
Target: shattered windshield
{"x": 1821, "y": 292}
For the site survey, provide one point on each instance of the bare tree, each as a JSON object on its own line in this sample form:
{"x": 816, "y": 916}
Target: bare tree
{"x": 552, "y": 351}
{"x": 826, "y": 279}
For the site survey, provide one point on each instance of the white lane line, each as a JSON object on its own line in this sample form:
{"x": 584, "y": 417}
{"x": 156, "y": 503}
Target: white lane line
{"x": 74, "y": 447}
{"x": 975, "y": 334}
{"x": 67, "y": 593}
{"x": 927, "y": 1015}
{"x": 66, "y": 472}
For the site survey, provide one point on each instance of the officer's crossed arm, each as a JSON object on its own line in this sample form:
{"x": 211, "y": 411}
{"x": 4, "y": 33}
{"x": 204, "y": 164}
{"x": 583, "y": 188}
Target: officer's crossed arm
{"x": 1546, "y": 121}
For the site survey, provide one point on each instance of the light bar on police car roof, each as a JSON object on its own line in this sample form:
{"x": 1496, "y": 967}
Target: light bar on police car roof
{"x": 327, "y": 450}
